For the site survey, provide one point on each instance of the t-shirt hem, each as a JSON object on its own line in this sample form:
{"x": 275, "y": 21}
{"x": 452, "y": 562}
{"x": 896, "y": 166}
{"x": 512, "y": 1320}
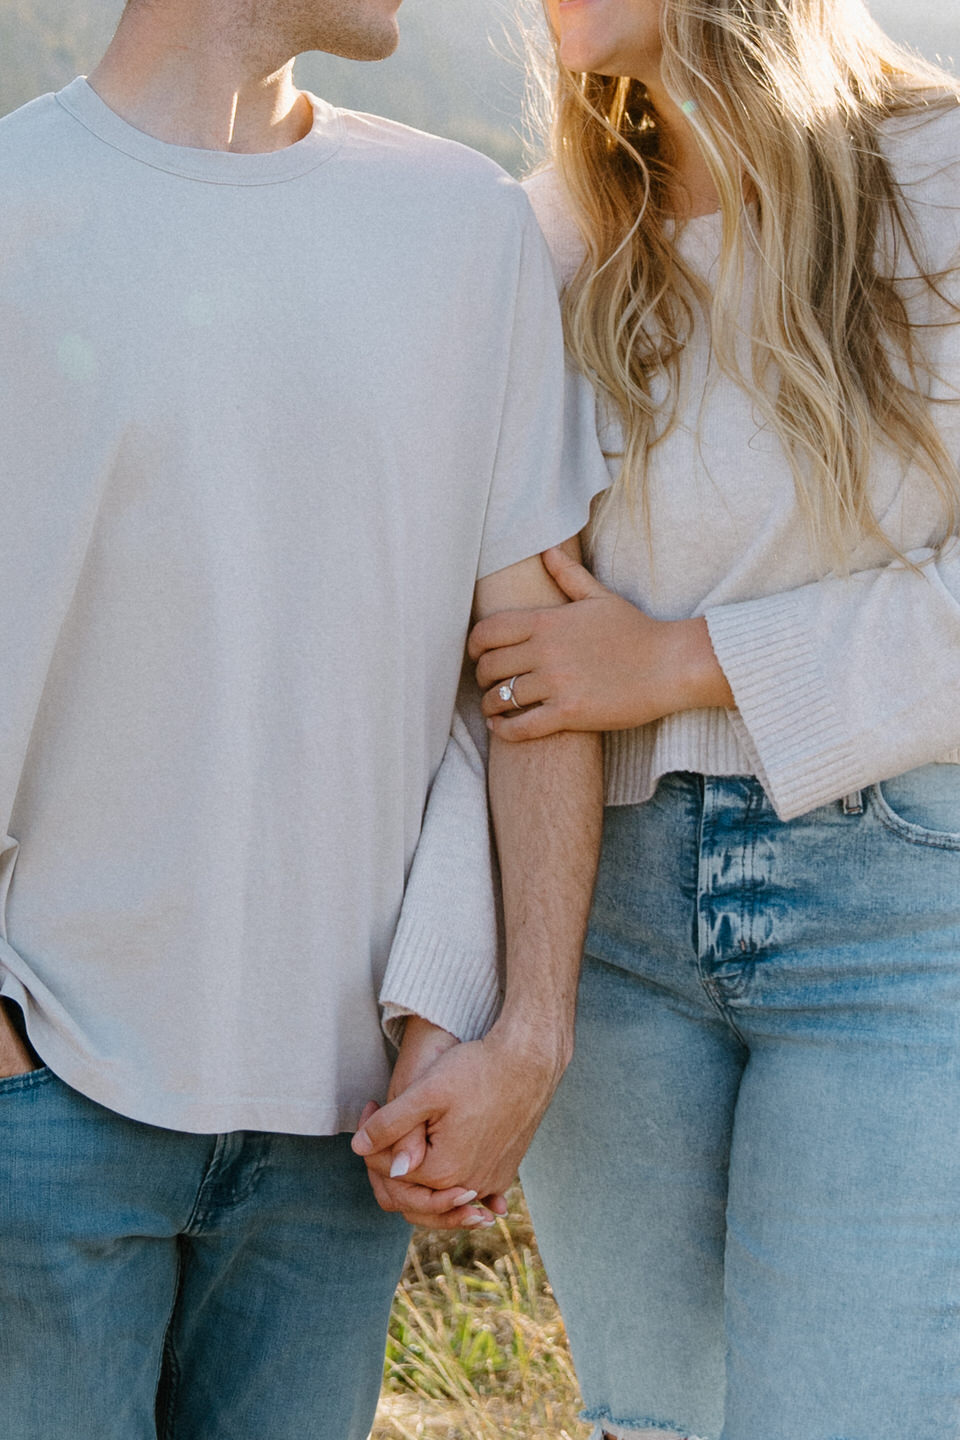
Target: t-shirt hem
{"x": 189, "y": 1114}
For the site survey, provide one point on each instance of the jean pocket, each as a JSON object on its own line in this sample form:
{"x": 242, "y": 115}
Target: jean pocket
{"x": 26, "y": 1080}
{"x": 922, "y": 805}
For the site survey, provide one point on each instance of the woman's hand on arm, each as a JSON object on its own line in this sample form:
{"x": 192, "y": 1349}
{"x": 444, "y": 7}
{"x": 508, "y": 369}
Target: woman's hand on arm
{"x": 599, "y": 663}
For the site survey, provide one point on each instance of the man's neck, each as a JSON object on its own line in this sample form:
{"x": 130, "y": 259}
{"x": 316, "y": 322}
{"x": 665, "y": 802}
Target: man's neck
{"x": 179, "y": 74}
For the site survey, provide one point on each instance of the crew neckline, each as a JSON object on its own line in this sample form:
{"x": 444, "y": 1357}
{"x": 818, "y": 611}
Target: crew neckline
{"x": 215, "y": 167}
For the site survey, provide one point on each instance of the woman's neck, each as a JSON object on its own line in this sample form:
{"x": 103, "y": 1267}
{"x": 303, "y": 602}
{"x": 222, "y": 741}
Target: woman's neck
{"x": 695, "y": 191}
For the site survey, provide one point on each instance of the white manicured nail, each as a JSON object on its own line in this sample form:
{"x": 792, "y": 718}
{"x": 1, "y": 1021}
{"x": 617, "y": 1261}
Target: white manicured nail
{"x": 465, "y": 1198}
{"x": 400, "y": 1166}
{"x": 480, "y": 1221}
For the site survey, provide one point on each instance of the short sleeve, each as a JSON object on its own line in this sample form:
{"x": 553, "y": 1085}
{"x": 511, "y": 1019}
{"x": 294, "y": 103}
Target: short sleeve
{"x": 549, "y": 464}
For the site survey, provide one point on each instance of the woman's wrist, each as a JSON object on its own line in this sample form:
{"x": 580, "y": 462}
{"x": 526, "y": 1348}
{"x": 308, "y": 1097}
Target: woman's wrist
{"x": 423, "y": 1043}
{"x": 702, "y": 683}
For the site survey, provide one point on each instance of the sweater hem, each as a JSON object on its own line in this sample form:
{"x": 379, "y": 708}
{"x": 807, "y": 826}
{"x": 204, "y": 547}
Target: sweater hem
{"x": 700, "y": 741}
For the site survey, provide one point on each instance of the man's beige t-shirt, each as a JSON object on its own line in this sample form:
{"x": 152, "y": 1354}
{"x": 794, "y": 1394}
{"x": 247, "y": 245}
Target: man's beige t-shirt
{"x": 265, "y": 420}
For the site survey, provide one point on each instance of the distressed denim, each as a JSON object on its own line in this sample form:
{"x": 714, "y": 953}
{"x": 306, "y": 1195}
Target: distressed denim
{"x": 747, "y": 1189}
{"x": 195, "y": 1287}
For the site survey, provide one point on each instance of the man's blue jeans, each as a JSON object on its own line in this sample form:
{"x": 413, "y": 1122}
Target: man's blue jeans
{"x": 191, "y": 1287}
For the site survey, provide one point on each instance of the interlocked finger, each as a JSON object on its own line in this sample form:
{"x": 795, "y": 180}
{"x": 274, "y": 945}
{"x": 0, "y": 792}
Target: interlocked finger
{"x": 498, "y": 666}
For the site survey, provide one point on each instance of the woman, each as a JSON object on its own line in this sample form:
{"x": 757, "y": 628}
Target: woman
{"x": 747, "y": 1190}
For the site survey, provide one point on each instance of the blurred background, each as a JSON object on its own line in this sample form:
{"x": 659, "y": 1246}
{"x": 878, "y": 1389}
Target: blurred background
{"x": 456, "y": 71}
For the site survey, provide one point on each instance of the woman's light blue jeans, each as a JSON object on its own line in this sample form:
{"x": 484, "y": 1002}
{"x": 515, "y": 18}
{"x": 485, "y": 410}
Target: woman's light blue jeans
{"x": 747, "y": 1190}
{"x": 195, "y": 1287}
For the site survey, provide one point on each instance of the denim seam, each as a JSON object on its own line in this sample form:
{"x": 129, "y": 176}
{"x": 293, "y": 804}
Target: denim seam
{"x": 11, "y": 1084}
{"x": 168, "y": 1356}
{"x": 754, "y": 811}
{"x": 746, "y": 876}
{"x": 718, "y": 1003}
{"x": 207, "y": 1202}
{"x": 238, "y": 1196}
{"x": 211, "y": 1175}
{"x": 602, "y": 1415}
{"x": 706, "y": 981}
{"x": 605, "y": 1428}
{"x": 904, "y": 830}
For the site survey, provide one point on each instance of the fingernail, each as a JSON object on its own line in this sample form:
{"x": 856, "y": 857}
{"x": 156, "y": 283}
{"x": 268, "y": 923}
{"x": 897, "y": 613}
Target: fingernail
{"x": 479, "y": 1220}
{"x": 465, "y": 1198}
{"x": 360, "y": 1144}
{"x": 400, "y": 1166}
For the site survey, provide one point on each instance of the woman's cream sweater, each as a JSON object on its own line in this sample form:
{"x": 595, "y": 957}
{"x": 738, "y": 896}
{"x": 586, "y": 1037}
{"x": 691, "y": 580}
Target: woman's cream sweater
{"x": 839, "y": 681}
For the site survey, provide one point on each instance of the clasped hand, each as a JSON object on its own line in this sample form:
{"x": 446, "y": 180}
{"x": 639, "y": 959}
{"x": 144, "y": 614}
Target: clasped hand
{"x": 447, "y": 1145}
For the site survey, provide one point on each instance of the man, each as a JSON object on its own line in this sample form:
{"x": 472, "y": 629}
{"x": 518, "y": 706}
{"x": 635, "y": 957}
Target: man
{"x": 280, "y": 382}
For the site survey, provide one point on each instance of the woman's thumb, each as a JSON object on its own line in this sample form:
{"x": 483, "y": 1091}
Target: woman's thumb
{"x": 409, "y": 1153}
{"x": 394, "y": 1122}
{"x": 574, "y": 579}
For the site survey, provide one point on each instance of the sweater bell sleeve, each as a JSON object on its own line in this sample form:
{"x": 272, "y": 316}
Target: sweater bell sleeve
{"x": 445, "y": 963}
{"x": 847, "y": 681}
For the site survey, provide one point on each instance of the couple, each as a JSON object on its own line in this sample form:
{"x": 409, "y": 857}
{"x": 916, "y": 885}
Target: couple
{"x": 285, "y": 405}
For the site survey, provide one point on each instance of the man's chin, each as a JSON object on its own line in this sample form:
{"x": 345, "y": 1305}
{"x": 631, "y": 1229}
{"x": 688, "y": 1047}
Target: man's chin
{"x": 382, "y": 52}
{"x": 377, "y": 43}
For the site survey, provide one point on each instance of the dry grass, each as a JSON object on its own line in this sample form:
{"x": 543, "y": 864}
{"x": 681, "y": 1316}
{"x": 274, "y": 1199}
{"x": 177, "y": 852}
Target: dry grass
{"x": 477, "y": 1349}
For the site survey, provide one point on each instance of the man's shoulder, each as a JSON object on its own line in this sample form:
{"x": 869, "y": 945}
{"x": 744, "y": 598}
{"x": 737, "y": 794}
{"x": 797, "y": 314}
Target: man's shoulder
{"x": 24, "y": 126}
{"x": 31, "y": 139}
{"x": 444, "y": 167}
{"x": 552, "y": 208}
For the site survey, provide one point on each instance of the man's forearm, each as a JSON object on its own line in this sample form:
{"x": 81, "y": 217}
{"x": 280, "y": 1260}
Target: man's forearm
{"x": 547, "y": 802}
{"x": 481, "y": 1101}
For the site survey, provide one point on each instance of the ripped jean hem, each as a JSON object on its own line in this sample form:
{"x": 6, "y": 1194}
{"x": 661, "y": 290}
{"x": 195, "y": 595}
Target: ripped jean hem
{"x": 619, "y": 1433}
{"x": 634, "y": 1429}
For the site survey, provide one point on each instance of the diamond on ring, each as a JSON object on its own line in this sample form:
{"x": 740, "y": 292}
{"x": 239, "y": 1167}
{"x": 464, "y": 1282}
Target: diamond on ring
{"x": 506, "y": 693}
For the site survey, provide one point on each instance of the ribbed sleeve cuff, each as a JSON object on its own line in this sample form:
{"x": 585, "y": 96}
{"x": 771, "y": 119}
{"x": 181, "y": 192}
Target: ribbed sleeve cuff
{"x": 786, "y": 718}
{"x": 451, "y": 987}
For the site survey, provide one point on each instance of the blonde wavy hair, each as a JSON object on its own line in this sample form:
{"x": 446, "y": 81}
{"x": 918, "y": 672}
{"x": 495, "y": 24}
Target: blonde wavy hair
{"x": 787, "y": 98}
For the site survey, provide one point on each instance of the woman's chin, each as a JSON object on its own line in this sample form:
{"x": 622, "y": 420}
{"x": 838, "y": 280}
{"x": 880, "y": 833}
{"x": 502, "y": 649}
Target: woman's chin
{"x": 578, "y": 55}
{"x": 580, "y": 51}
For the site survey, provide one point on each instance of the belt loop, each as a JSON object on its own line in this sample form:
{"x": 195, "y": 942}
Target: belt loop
{"x": 853, "y": 803}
